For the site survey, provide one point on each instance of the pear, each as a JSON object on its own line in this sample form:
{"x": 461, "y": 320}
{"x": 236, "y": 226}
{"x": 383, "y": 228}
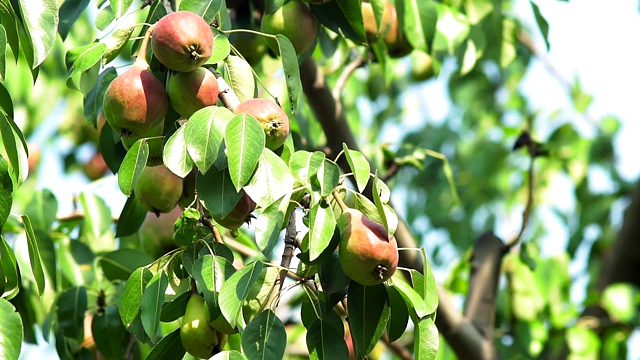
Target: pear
{"x": 190, "y": 92}
{"x": 367, "y": 254}
{"x": 294, "y": 20}
{"x": 158, "y": 189}
{"x": 273, "y": 119}
{"x": 197, "y": 336}
{"x": 240, "y": 214}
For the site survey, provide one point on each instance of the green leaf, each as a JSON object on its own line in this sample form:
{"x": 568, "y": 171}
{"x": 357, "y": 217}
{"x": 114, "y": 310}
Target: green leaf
{"x": 11, "y": 331}
{"x": 237, "y": 72}
{"x": 105, "y": 17}
{"x": 271, "y": 180}
{"x": 204, "y": 133}
{"x": 70, "y": 309}
{"x": 324, "y": 342}
{"x": 132, "y": 295}
{"x": 379, "y": 200}
{"x": 34, "y": 254}
{"x": 116, "y": 43}
{"x": 6, "y": 191}
{"x": 542, "y": 23}
{"x": 619, "y": 300}
{"x": 269, "y": 224}
{"x": 583, "y": 342}
{"x": 131, "y": 217}
{"x": 343, "y": 17}
{"x": 132, "y": 165}
{"x": 322, "y": 223}
{"x": 70, "y": 11}
{"x": 427, "y": 341}
{"x": 81, "y": 59}
{"x": 425, "y": 284}
{"x": 175, "y": 309}
{"x": 412, "y": 298}
{"x": 305, "y": 165}
{"x": 259, "y": 296}
{"x": 420, "y": 19}
{"x": 205, "y": 8}
{"x": 291, "y": 71}
{"x": 217, "y": 192}
{"x": 16, "y": 149}
{"x": 6, "y": 104}
{"x": 9, "y": 20}
{"x": 3, "y": 52}
{"x": 221, "y": 47}
{"x": 169, "y": 347}
{"x": 328, "y": 177}
{"x": 236, "y": 289}
{"x": 210, "y": 273}
{"x": 41, "y": 24}
{"x": 92, "y": 104}
{"x": 9, "y": 269}
{"x": 244, "y": 139}
{"x": 359, "y": 166}
{"x": 120, "y": 7}
{"x": 151, "y": 303}
{"x": 42, "y": 209}
{"x": 265, "y": 337}
{"x": 175, "y": 154}
{"x": 399, "y": 317}
{"x": 96, "y": 227}
{"x": 120, "y": 264}
{"x": 47, "y": 251}
{"x": 368, "y": 315}
{"x": 110, "y": 335}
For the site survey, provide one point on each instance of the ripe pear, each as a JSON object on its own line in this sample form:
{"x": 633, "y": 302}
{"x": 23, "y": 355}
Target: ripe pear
{"x": 158, "y": 189}
{"x": 136, "y": 101}
{"x": 367, "y": 254}
{"x": 190, "y": 92}
{"x": 239, "y": 215}
{"x": 273, "y": 119}
{"x": 182, "y": 41}
{"x": 197, "y": 336}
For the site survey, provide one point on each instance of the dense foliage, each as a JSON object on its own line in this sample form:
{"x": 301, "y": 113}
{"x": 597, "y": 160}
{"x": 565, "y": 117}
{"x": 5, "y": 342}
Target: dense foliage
{"x": 254, "y": 238}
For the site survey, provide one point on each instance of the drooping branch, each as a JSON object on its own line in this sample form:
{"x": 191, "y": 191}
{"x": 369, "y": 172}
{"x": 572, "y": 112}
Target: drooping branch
{"x": 464, "y": 338}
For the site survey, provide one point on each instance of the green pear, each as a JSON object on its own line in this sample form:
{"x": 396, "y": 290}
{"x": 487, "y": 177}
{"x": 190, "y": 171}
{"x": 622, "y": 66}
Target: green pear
{"x": 197, "y": 336}
{"x": 367, "y": 254}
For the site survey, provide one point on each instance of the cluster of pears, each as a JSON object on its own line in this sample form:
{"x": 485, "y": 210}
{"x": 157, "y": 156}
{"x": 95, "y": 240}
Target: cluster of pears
{"x": 200, "y": 336}
{"x": 368, "y": 255}
{"x": 136, "y": 103}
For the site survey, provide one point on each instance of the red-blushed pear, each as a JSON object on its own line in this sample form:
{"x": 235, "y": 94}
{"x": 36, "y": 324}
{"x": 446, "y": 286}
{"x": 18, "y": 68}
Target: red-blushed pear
{"x": 182, "y": 41}
{"x": 295, "y": 21}
{"x": 158, "y": 189}
{"x": 367, "y": 254}
{"x": 239, "y": 215}
{"x": 136, "y": 101}
{"x": 197, "y": 336}
{"x": 190, "y": 92}
{"x": 274, "y": 120}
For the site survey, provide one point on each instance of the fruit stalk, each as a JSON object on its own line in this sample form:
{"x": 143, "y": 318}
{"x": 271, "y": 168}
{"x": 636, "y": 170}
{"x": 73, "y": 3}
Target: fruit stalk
{"x": 339, "y": 200}
{"x": 142, "y": 52}
{"x": 226, "y": 93}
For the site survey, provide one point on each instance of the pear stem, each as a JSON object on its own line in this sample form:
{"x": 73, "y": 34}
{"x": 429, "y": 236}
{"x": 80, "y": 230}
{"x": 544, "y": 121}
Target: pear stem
{"x": 341, "y": 203}
{"x": 142, "y": 52}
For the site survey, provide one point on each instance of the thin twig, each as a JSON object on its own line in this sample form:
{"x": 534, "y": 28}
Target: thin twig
{"x": 396, "y": 348}
{"x": 344, "y": 76}
{"x": 532, "y": 147}
{"x": 289, "y": 248}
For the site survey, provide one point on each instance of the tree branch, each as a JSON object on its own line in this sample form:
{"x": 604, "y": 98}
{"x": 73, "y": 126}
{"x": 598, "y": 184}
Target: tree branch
{"x": 289, "y": 247}
{"x": 464, "y": 338}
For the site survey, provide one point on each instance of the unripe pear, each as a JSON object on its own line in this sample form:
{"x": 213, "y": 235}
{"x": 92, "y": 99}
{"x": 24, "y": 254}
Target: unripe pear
{"x": 135, "y": 101}
{"x": 239, "y": 215}
{"x": 370, "y": 24}
{"x": 158, "y": 189}
{"x": 182, "y": 41}
{"x": 156, "y": 233}
{"x": 274, "y": 120}
{"x": 367, "y": 254}
{"x": 190, "y": 92}
{"x": 295, "y": 21}
{"x": 197, "y": 336}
